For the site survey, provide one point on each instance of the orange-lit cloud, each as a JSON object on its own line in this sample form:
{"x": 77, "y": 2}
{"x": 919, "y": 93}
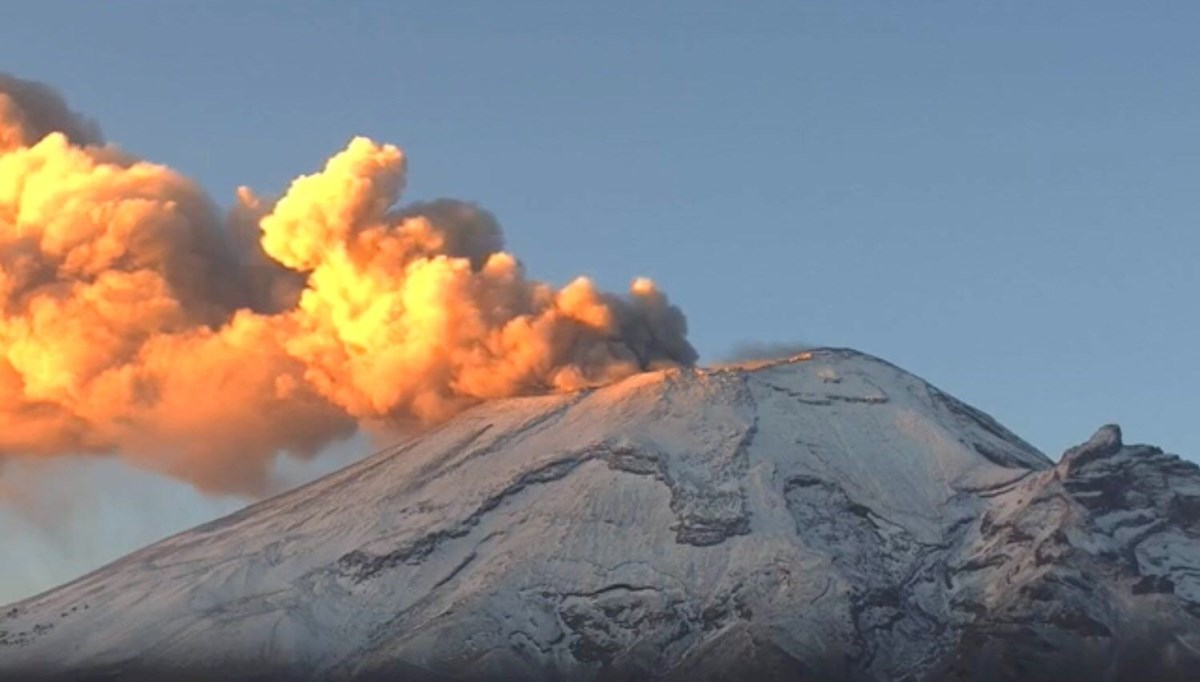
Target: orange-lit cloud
{"x": 136, "y": 319}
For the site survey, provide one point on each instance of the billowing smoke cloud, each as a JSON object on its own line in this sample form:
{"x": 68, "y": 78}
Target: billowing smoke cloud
{"x": 136, "y": 319}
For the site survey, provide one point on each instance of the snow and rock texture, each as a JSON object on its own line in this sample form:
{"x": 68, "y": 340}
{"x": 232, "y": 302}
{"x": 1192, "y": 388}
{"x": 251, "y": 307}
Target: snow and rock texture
{"x": 827, "y": 517}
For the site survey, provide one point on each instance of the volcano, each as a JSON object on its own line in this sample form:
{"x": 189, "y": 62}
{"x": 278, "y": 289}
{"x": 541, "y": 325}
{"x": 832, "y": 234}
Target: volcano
{"x": 824, "y": 517}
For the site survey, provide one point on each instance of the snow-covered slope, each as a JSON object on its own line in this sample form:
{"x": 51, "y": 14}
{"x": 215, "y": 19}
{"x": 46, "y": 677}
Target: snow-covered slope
{"x": 825, "y": 517}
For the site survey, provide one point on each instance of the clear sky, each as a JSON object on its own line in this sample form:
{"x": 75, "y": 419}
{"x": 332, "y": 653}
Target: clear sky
{"x": 1003, "y": 198}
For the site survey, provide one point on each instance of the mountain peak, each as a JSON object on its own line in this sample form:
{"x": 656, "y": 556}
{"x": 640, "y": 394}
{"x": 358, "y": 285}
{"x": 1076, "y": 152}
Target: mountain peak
{"x": 1106, "y": 442}
{"x": 826, "y": 515}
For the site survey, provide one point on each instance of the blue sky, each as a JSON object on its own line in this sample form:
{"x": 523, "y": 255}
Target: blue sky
{"x": 999, "y": 197}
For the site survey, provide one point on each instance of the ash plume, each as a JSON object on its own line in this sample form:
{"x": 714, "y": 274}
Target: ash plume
{"x": 136, "y": 319}
{"x": 746, "y": 351}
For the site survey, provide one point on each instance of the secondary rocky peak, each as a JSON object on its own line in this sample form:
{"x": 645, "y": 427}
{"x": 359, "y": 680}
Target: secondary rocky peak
{"x": 1106, "y": 442}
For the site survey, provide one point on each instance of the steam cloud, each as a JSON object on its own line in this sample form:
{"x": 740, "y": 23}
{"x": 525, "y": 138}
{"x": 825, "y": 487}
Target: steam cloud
{"x": 136, "y": 319}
